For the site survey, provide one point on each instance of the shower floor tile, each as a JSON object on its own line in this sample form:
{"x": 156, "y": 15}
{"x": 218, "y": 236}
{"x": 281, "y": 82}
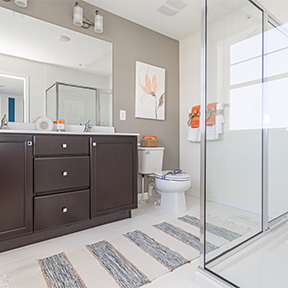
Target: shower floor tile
{"x": 263, "y": 264}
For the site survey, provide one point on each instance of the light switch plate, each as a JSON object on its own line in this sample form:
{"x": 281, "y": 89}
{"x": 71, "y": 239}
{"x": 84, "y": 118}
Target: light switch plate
{"x": 123, "y": 115}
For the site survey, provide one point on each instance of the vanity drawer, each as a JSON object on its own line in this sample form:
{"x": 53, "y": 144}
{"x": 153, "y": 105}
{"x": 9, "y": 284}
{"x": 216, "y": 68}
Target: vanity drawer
{"x": 60, "y": 145}
{"x": 61, "y": 173}
{"x": 60, "y": 209}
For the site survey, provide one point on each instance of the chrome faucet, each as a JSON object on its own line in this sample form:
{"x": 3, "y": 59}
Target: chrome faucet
{"x": 4, "y": 123}
{"x": 87, "y": 126}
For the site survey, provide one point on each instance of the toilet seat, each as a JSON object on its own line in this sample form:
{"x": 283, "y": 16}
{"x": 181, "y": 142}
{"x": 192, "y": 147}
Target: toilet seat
{"x": 177, "y": 177}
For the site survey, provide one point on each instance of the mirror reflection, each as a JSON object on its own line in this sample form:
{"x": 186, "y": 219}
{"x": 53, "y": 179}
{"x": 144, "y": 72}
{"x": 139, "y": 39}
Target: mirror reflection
{"x": 76, "y": 104}
{"x": 37, "y": 55}
{"x": 12, "y": 95}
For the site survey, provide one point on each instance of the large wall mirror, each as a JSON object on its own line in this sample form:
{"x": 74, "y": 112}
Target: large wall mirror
{"x": 36, "y": 55}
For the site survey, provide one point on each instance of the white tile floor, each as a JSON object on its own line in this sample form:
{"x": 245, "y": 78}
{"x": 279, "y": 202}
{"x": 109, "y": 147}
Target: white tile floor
{"x": 145, "y": 215}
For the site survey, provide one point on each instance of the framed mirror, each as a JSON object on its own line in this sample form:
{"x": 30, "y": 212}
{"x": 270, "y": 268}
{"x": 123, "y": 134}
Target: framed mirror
{"x": 38, "y": 55}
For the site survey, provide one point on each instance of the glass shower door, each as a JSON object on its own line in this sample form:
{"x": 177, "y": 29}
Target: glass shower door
{"x": 233, "y": 207}
{"x": 245, "y": 176}
{"x": 276, "y": 91}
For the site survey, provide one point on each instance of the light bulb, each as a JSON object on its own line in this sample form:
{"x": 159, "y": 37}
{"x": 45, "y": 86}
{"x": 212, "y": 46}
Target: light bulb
{"x": 78, "y": 15}
{"x": 98, "y": 22}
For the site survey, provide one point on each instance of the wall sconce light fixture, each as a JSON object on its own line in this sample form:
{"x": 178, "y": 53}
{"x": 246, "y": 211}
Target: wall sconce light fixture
{"x": 80, "y": 21}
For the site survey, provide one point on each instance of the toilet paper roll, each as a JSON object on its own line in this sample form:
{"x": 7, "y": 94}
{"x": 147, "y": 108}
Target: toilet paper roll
{"x": 44, "y": 124}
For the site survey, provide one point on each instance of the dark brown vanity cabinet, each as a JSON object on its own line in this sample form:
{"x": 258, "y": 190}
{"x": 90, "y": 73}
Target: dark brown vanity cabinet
{"x": 113, "y": 174}
{"x": 15, "y": 185}
{"x": 52, "y": 185}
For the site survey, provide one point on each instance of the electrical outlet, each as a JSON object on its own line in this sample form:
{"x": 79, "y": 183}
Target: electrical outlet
{"x": 123, "y": 115}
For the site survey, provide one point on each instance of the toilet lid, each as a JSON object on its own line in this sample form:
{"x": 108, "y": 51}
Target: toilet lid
{"x": 177, "y": 177}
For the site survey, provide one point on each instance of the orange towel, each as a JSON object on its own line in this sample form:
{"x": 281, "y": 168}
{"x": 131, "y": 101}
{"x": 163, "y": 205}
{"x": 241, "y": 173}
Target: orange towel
{"x": 210, "y": 121}
{"x": 195, "y": 119}
{"x": 150, "y": 137}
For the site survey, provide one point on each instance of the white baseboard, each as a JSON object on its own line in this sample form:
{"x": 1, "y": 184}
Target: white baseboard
{"x": 207, "y": 280}
{"x": 220, "y": 200}
{"x": 192, "y": 192}
{"x": 233, "y": 203}
{"x": 229, "y": 202}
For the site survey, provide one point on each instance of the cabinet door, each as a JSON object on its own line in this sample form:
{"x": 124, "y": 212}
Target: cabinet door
{"x": 15, "y": 185}
{"x": 114, "y": 174}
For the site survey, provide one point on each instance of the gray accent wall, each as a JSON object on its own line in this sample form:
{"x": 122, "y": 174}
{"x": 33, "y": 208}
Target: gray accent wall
{"x": 131, "y": 43}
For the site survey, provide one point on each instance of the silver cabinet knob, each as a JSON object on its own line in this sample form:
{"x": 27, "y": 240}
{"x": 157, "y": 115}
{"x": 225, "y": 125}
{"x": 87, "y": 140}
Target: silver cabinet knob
{"x": 29, "y": 143}
{"x": 94, "y": 144}
{"x": 64, "y": 209}
{"x": 64, "y": 173}
{"x": 64, "y": 145}
{"x": 147, "y": 152}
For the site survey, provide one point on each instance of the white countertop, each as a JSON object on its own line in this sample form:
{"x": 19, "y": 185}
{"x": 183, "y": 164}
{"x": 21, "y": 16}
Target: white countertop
{"x": 29, "y": 128}
{"x": 65, "y": 133}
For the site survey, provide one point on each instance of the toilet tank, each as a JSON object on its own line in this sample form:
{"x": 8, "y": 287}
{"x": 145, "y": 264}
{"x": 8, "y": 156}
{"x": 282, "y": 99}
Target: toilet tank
{"x": 150, "y": 159}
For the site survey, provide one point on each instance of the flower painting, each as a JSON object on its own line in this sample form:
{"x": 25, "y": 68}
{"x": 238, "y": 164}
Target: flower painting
{"x": 150, "y": 92}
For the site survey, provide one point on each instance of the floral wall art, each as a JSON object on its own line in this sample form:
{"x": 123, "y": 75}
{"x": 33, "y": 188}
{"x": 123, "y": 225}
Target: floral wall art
{"x": 150, "y": 92}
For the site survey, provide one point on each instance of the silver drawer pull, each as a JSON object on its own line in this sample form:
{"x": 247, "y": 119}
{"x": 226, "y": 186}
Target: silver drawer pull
{"x": 64, "y": 173}
{"x": 29, "y": 143}
{"x": 64, "y": 209}
{"x": 64, "y": 145}
{"x": 94, "y": 144}
{"x": 147, "y": 152}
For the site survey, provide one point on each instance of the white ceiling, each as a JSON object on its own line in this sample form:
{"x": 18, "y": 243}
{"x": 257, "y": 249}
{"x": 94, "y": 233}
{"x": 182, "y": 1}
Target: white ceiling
{"x": 144, "y": 12}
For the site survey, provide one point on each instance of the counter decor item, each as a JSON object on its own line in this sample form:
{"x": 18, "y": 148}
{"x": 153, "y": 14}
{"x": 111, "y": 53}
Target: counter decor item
{"x": 44, "y": 123}
{"x": 60, "y": 125}
{"x": 150, "y": 141}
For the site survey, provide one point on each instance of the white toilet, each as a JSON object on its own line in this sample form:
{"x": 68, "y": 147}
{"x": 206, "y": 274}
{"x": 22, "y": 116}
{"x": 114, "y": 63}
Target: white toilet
{"x": 171, "y": 184}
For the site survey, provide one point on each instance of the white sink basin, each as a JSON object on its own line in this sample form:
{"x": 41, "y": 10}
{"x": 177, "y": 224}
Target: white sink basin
{"x": 94, "y": 129}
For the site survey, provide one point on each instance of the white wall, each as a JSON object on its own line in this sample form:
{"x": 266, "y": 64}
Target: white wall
{"x": 68, "y": 76}
{"x": 4, "y": 105}
{"x": 230, "y": 179}
{"x": 234, "y": 161}
{"x": 190, "y": 53}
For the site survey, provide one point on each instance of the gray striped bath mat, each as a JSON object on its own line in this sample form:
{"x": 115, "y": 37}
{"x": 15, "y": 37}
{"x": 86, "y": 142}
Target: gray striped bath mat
{"x": 132, "y": 260}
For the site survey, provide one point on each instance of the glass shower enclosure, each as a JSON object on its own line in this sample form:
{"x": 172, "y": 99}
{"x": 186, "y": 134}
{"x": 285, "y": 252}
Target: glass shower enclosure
{"x": 244, "y": 158}
{"x": 77, "y": 104}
